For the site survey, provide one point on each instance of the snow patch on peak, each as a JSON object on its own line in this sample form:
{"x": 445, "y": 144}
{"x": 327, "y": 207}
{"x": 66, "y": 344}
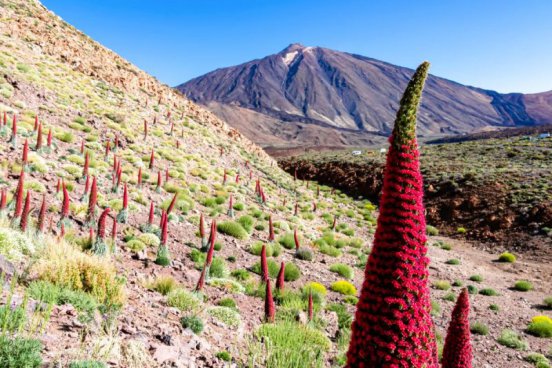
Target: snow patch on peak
{"x": 289, "y": 57}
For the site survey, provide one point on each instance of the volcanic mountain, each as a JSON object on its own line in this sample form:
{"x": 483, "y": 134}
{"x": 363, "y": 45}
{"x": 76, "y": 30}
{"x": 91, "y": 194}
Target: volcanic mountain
{"x": 317, "y": 96}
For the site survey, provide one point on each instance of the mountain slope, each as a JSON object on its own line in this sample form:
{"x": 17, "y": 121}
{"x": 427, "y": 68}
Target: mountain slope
{"x": 352, "y": 95}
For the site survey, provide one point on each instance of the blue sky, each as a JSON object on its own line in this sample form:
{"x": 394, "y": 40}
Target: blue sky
{"x": 496, "y": 44}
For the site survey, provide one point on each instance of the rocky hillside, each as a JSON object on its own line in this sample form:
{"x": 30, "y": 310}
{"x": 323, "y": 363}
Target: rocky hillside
{"x": 315, "y": 96}
{"x": 114, "y": 274}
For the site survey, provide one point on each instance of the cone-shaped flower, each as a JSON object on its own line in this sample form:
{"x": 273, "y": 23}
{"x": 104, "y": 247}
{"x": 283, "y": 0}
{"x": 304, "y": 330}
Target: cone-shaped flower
{"x": 82, "y": 147}
{"x": 281, "y": 275}
{"x": 3, "y": 199}
{"x": 122, "y": 217}
{"x": 224, "y": 177}
{"x": 58, "y": 185}
{"x": 163, "y": 257}
{"x": 392, "y": 325}
{"x": 231, "y": 206}
{"x": 35, "y": 127}
{"x": 25, "y": 155}
{"x": 202, "y": 231}
{"x": 296, "y": 240}
{"x": 270, "y": 229}
{"x": 39, "y": 138}
{"x": 159, "y": 182}
{"x": 92, "y": 199}
{"x": 13, "y": 140}
{"x": 173, "y": 202}
{"x": 25, "y": 213}
{"x": 19, "y": 195}
{"x": 65, "y": 203}
{"x": 237, "y": 178}
{"x": 99, "y": 247}
{"x": 139, "y": 177}
{"x": 107, "y": 149}
{"x": 457, "y": 352}
{"x": 86, "y": 188}
{"x": 114, "y": 231}
{"x": 151, "y": 213}
{"x": 86, "y": 164}
{"x": 201, "y": 281}
{"x": 270, "y": 311}
{"x": 164, "y": 231}
{"x": 152, "y": 159}
{"x": 264, "y": 264}
{"x": 212, "y": 239}
{"x": 310, "y": 309}
{"x": 42, "y": 215}
{"x": 49, "y": 138}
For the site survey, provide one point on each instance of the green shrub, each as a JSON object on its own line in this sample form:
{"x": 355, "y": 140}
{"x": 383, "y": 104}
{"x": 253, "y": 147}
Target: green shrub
{"x": 435, "y": 308}
{"x": 163, "y": 284}
{"x": 547, "y": 302}
{"x": 457, "y": 283}
{"x": 453, "y": 261}
{"x": 507, "y": 257}
{"x": 446, "y": 246}
{"x": 224, "y": 355}
{"x": 476, "y": 278}
{"x": 450, "y": 297}
{"x": 512, "y": 340}
{"x": 184, "y": 300}
{"x": 472, "y": 289}
{"x": 539, "y": 360}
{"x": 304, "y": 254}
{"x": 135, "y": 245}
{"x": 247, "y": 223}
{"x": 227, "y": 302}
{"x": 194, "y": 323}
{"x": 540, "y": 326}
{"x": 233, "y": 229}
{"x": 344, "y": 287}
{"x": 479, "y": 328}
{"x": 330, "y": 250}
{"x": 87, "y": 364}
{"x": 287, "y": 241}
{"x": 315, "y": 288}
{"x": 285, "y": 338}
{"x": 343, "y": 270}
{"x": 19, "y": 352}
{"x": 494, "y": 307}
{"x": 488, "y": 292}
{"x": 431, "y": 230}
{"x": 441, "y": 285}
{"x": 240, "y": 274}
{"x": 291, "y": 272}
{"x": 228, "y": 316}
{"x": 523, "y": 285}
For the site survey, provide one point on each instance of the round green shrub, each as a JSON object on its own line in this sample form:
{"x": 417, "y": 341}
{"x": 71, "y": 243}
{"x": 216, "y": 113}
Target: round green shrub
{"x": 224, "y": 355}
{"x": 343, "y": 270}
{"x": 523, "y": 285}
{"x": 304, "y": 254}
{"x": 184, "y": 300}
{"x": 194, "y": 323}
{"x": 227, "y": 302}
{"x": 476, "y": 278}
{"x": 507, "y": 257}
{"x": 233, "y": 229}
{"x": 547, "y": 302}
{"x": 488, "y": 292}
{"x": 344, "y": 287}
{"x": 479, "y": 328}
{"x": 540, "y": 326}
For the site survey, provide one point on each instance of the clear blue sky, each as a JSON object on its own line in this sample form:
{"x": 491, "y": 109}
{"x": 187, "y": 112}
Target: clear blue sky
{"x": 496, "y": 44}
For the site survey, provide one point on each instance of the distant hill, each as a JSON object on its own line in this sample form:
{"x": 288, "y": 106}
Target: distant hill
{"x": 317, "y": 96}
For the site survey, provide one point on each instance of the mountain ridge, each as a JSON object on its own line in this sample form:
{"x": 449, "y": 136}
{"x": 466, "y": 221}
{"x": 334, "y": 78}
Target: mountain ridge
{"x": 352, "y": 95}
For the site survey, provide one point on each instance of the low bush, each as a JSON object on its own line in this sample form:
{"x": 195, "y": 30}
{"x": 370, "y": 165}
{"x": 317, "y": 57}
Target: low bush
{"x": 304, "y": 254}
{"x": 287, "y": 241}
{"x": 315, "y": 288}
{"x": 539, "y": 360}
{"x": 476, "y": 278}
{"x": 233, "y": 229}
{"x": 479, "y": 328}
{"x": 19, "y": 352}
{"x": 185, "y": 301}
{"x": 540, "y": 326}
{"x": 343, "y": 270}
{"x": 228, "y": 316}
{"x": 344, "y": 287}
{"x": 247, "y": 223}
{"x": 453, "y": 261}
{"x": 87, "y": 364}
{"x": 547, "y": 302}
{"x": 224, "y": 355}
{"x": 507, "y": 257}
{"x": 488, "y": 292}
{"x": 512, "y": 340}
{"x": 441, "y": 285}
{"x": 227, "y": 302}
{"x": 523, "y": 285}
{"x": 291, "y": 272}
{"x": 432, "y": 230}
{"x": 163, "y": 284}
{"x": 194, "y": 323}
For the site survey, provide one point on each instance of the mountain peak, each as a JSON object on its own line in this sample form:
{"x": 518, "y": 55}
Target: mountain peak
{"x": 293, "y": 47}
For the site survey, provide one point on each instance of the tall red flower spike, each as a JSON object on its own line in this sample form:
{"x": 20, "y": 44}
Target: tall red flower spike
{"x": 14, "y": 127}
{"x": 201, "y": 226}
{"x": 58, "y": 185}
{"x": 92, "y": 199}
{"x": 114, "y": 230}
{"x": 281, "y": 275}
{"x": 224, "y": 177}
{"x": 101, "y": 223}
{"x": 62, "y": 231}
{"x": 145, "y": 129}
{"x": 162, "y": 221}
{"x": 201, "y": 281}
{"x": 25, "y": 156}
{"x": 19, "y": 195}
{"x": 86, "y": 164}
{"x": 39, "y": 138}
{"x": 212, "y": 239}
{"x": 107, "y": 149}
{"x": 296, "y": 209}
{"x": 49, "y": 138}
{"x": 457, "y": 352}
{"x": 392, "y": 325}
{"x": 42, "y": 215}
{"x": 270, "y": 311}
{"x": 152, "y": 159}
{"x": 65, "y": 203}
{"x": 296, "y": 239}
{"x": 310, "y": 309}
{"x": 82, "y": 147}
{"x": 164, "y": 230}
{"x": 3, "y": 199}
{"x": 125, "y": 197}
{"x": 173, "y": 202}
{"x": 86, "y": 185}
{"x": 35, "y": 127}
{"x": 264, "y": 264}
{"x": 334, "y": 222}
{"x": 151, "y": 213}
{"x": 237, "y": 178}
{"x": 139, "y": 177}
{"x": 270, "y": 229}
{"x": 25, "y": 213}
{"x": 159, "y": 181}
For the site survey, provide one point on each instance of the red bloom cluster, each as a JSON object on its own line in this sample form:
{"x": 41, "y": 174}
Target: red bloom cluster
{"x": 270, "y": 311}
{"x": 42, "y": 215}
{"x": 270, "y": 229}
{"x": 101, "y": 223}
{"x": 92, "y": 199}
{"x": 264, "y": 264}
{"x": 457, "y": 352}
{"x": 281, "y": 275}
{"x": 19, "y": 195}
{"x": 393, "y": 325}
{"x": 25, "y": 213}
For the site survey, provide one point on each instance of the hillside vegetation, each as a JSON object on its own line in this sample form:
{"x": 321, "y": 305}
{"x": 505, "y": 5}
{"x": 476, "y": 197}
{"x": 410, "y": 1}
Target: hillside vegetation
{"x": 137, "y": 230}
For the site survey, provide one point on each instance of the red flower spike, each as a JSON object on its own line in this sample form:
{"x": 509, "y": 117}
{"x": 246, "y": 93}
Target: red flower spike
{"x": 39, "y": 137}
{"x": 281, "y": 275}
{"x": 58, "y": 185}
{"x": 49, "y": 139}
{"x": 25, "y": 157}
{"x": 92, "y": 199}
{"x": 296, "y": 210}
{"x": 14, "y": 126}
{"x": 393, "y": 325}
{"x": 86, "y": 185}
{"x": 310, "y": 313}
{"x": 296, "y": 239}
{"x": 264, "y": 265}
{"x": 65, "y": 203}
{"x": 270, "y": 229}
{"x": 107, "y": 149}
{"x": 35, "y": 127}
{"x": 212, "y": 239}
{"x": 139, "y": 177}
{"x": 159, "y": 180}
{"x": 231, "y": 202}
{"x": 201, "y": 281}
{"x": 101, "y": 223}
{"x": 91, "y": 235}
{"x": 334, "y": 222}
{"x": 5, "y": 118}
{"x": 151, "y": 213}
{"x": 19, "y": 195}
{"x": 25, "y": 213}
{"x": 224, "y": 177}
{"x": 270, "y": 311}
{"x": 152, "y": 159}
{"x": 42, "y": 215}
{"x": 82, "y": 147}
{"x": 162, "y": 220}
{"x": 86, "y": 164}
{"x": 173, "y": 202}
{"x": 3, "y": 199}
{"x": 457, "y": 352}
{"x": 116, "y": 144}
{"x": 237, "y": 178}
{"x": 62, "y": 231}
{"x": 164, "y": 230}
{"x": 114, "y": 230}
{"x": 201, "y": 226}
{"x": 125, "y": 197}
